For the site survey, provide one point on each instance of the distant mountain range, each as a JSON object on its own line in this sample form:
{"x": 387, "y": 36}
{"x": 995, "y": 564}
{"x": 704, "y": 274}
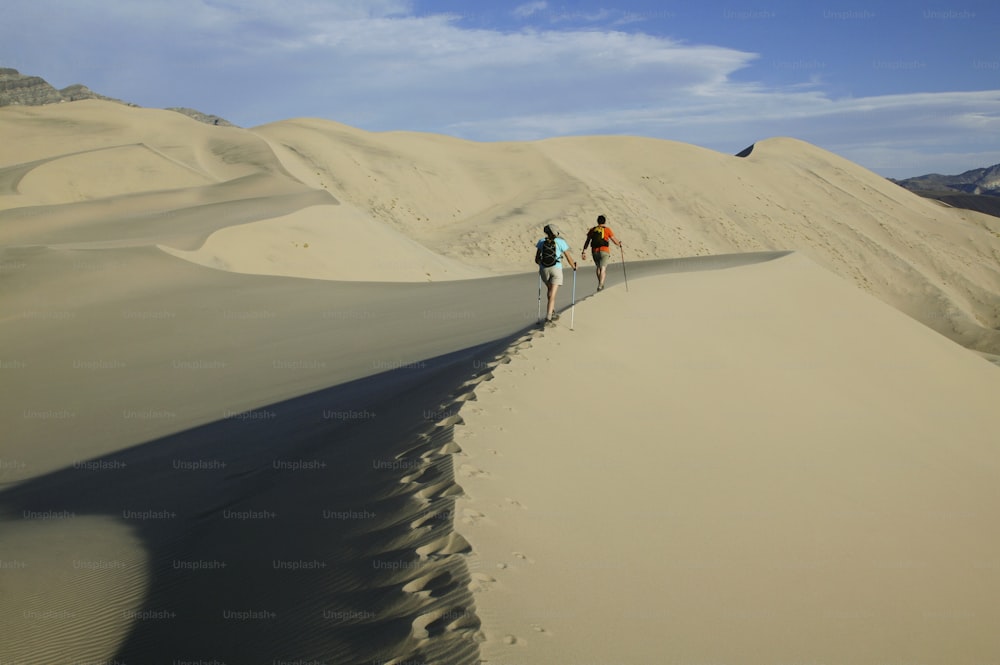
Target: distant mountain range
{"x": 978, "y": 189}
{"x": 19, "y": 89}
{"x": 977, "y": 181}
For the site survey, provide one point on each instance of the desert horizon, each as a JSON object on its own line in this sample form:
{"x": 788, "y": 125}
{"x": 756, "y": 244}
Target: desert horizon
{"x": 279, "y": 394}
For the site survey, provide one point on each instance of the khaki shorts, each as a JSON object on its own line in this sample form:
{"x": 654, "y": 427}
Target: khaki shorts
{"x": 601, "y": 259}
{"x": 551, "y": 275}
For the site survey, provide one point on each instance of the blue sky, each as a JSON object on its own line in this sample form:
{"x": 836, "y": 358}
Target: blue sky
{"x": 902, "y": 87}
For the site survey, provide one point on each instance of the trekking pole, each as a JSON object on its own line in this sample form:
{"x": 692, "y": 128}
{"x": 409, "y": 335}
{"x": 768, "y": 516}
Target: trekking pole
{"x": 624, "y": 272}
{"x": 572, "y": 307}
{"x": 539, "y": 297}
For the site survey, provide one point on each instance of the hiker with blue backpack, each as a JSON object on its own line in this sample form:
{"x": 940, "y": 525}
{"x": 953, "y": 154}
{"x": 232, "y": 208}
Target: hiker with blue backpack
{"x": 549, "y": 252}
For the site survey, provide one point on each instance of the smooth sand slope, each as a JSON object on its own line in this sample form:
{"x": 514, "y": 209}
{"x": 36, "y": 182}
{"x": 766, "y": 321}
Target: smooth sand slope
{"x": 478, "y": 202}
{"x": 231, "y": 363}
{"x": 752, "y": 465}
{"x": 313, "y": 198}
{"x": 102, "y": 175}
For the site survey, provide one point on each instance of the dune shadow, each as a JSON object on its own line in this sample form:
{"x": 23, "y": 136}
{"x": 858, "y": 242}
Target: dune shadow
{"x": 317, "y": 529}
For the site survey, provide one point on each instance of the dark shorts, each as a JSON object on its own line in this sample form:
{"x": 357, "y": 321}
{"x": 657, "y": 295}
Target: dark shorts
{"x": 601, "y": 259}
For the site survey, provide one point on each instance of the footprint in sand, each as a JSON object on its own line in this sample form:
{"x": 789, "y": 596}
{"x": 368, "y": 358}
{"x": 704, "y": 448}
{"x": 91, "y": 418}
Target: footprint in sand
{"x": 441, "y": 621}
{"x": 513, "y": 503}
{"x": 522, "y": 557}
{"x": 481, "y": 582}
{"x": 470, "y": 471}
{"x": 450, "y": 448}
{"x": 472, "y": 517}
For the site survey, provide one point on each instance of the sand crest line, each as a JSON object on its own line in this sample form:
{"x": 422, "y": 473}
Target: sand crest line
{"x": 433, "y": 452}
{"x": 397, "y": 529}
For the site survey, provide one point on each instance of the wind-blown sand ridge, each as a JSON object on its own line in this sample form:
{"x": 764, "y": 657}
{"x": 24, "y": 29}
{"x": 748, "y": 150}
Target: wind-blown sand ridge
{"x": 476, "y": 203}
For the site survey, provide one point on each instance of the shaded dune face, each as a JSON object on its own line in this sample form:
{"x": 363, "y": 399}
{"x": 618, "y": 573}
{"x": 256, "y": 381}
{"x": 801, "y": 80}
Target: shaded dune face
{"x": 315, "y": 528}
{"x": 320, "y": 526}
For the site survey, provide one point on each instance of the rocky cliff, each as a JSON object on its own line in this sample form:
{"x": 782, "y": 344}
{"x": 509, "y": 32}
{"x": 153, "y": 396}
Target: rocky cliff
{"x": 19, "y": 89}
{"x": 16, "y": 88}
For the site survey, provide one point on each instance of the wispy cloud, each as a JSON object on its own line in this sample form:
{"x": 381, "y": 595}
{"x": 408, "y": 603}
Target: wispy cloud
{"x": 377, "y": 65}
{"x": 529, "y": 9}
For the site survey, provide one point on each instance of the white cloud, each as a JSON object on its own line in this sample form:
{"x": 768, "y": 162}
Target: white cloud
{"x": 376, "y": 65}
{"x": 529, "y": 9}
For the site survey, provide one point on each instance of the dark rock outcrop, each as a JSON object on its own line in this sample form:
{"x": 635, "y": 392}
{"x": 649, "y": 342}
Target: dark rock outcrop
{"x": 19, "y": 89}
{"x": 26, "y": 90}
{"x": 207, "y": 118}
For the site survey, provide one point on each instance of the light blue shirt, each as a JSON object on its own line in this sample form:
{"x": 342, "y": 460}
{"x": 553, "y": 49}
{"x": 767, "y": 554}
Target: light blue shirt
{"x": 561, "y": 246}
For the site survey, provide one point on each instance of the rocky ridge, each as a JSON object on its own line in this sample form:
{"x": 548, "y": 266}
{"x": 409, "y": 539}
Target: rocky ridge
{"x": 18, "y": 89}
{"x": 984, "y": 181}
{"x": 978, "y": 189}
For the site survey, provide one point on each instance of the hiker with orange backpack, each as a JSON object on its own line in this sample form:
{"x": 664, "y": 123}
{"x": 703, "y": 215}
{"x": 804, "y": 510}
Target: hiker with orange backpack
{"x": 599, "y": 239}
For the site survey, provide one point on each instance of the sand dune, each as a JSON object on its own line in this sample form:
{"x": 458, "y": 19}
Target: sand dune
{"x": 333, "y": 242}
{"x": 756, "y": 465}
{"x": 232, "y": 363}
{"x": 475, "y": 202}
{"x": 136, "y": 171}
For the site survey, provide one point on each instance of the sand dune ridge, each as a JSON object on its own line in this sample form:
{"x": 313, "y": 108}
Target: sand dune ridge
{"x": 311, "y": 353}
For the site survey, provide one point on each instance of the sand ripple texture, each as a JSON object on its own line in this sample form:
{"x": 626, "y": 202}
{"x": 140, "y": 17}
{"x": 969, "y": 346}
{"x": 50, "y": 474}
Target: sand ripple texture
{"x": 315, "y": 528}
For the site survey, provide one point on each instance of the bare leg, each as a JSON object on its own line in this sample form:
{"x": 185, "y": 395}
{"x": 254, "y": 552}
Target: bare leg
{"x": 552, "y": 300}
